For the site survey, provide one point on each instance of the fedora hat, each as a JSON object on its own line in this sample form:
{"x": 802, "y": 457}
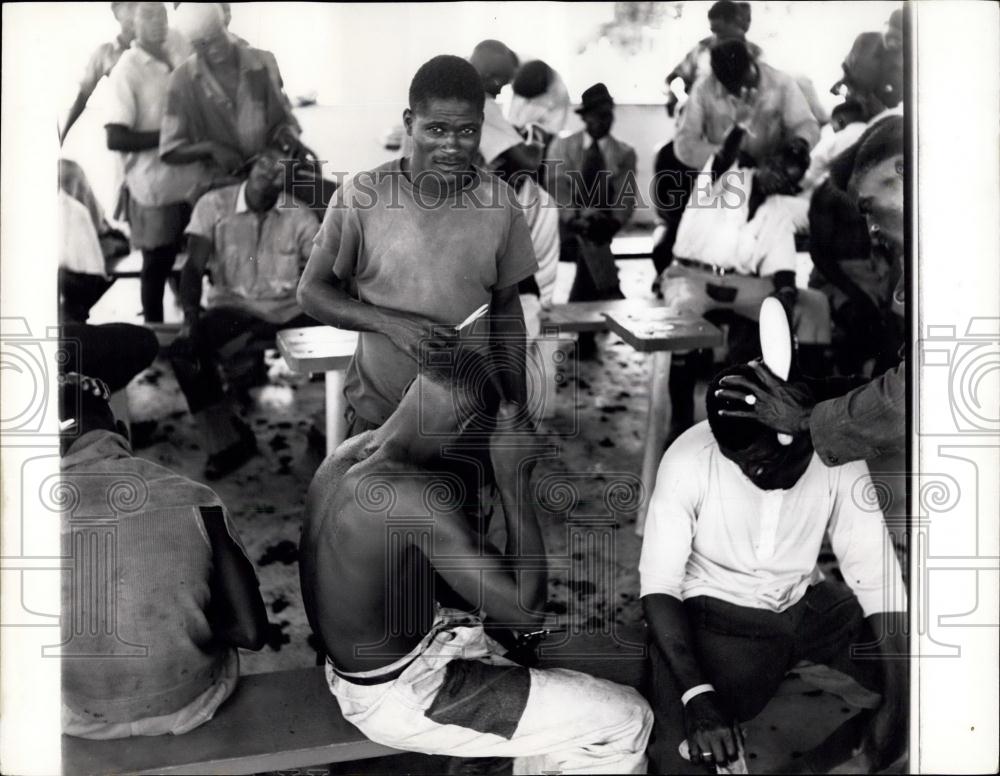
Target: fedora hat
{"x": 594, "y": 97}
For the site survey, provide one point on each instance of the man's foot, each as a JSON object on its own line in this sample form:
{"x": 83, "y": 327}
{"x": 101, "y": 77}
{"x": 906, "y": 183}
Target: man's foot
{"x": 233, "y": 457}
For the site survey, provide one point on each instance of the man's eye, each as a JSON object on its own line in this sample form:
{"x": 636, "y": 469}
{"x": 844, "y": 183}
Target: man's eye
{"x": 435, "y": 130}
{"x": 468, "y": 131}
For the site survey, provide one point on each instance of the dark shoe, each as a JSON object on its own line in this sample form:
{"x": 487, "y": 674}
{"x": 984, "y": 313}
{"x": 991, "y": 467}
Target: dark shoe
{"x": 233, "y": 457}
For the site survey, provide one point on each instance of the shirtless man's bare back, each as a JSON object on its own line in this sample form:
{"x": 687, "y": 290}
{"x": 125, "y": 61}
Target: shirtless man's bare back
{"x": 386, "y": 541}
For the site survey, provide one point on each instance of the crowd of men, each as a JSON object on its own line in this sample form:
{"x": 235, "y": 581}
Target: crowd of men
{"x": 427, "y": 652}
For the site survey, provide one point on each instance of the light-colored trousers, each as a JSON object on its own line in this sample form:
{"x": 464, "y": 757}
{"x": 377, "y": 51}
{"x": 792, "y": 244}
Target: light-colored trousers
{"x": 548, "y": 720}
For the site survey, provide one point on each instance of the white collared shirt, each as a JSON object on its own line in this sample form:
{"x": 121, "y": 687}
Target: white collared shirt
{"x": 603, "y": 143}
{"x": 710, "y": 531}
{"x": 138, "y": 99}
{"x": 257, "y": 258}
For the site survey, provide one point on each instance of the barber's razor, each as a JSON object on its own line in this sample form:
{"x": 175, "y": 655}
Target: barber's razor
{"x": 776, "y": 344}
{"x": 473, "y": 317}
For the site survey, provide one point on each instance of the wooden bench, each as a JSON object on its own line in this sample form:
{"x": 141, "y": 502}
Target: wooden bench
{"x": 275, "y": 721}
{"x": 288, "y": 719}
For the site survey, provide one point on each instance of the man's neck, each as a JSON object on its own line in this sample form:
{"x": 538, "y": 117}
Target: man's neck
{"x": 154, "y": 49}
{"x": 259, "y": 203}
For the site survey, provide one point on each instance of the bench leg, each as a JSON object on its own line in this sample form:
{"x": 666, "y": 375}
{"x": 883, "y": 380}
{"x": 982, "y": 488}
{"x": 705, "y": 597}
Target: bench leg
{"x": 656, "y": 428}
{"x": 336, "y": 423}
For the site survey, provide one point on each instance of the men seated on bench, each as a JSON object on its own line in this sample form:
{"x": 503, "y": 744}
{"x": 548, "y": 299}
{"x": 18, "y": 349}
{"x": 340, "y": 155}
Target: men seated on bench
{"x": 418, "y": 244}
{"x": 734, "y": 599}
{"x": 155, "y": 652}
{"x": 409, "y": 671}
{"x": 591, "y": 174}
{"x": 254, "y": 246}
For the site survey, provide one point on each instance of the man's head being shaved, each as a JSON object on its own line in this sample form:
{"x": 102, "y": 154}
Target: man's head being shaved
{"x": 495, "y": 63}
{"x": 750, "y": 444}
{"x": 199, "y": 21}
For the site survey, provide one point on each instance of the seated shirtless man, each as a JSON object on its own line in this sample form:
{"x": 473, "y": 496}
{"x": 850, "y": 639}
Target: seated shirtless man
{"x": 385, "y": 542}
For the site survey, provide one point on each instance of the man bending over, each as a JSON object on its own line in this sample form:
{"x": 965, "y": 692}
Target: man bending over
{"x": 384, "y": 522}
{"x": 734, "y": 599}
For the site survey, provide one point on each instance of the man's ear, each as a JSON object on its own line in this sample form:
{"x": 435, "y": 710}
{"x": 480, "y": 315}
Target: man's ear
{"x": 408, "y": 118}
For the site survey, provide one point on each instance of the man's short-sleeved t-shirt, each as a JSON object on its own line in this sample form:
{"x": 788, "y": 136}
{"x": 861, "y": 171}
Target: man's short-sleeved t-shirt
{"x": 401, "y": 251}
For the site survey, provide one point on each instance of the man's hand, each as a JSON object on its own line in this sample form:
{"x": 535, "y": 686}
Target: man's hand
{"x": 711, "y": 739}
{"x": 408, "y": 330}
{"x": 228, "y": 159}
{"x": 770, "y": 179}
{"x": 785, "y": 407}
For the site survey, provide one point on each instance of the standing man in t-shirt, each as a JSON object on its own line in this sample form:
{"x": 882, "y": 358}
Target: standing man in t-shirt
{"x": 414, "y": 246}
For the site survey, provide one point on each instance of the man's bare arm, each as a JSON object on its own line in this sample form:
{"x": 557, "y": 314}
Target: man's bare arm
{"x": 237, "y": 614}
{"x": 509, "y": 342}
{"x": 324, "y": 296}
{"x": 199, "y": 252}
{"x": 122, "y": 138}
{"x": 707, "y": 729}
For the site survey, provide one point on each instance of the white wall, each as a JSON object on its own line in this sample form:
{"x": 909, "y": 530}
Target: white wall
{"x": 357, "y": 60}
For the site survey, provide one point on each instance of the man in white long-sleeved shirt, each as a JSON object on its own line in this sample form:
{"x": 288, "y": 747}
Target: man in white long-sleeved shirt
{"x": 734, "y": 599}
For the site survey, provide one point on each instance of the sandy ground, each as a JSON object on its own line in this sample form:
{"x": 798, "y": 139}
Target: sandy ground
{"x": 585, "y": 506}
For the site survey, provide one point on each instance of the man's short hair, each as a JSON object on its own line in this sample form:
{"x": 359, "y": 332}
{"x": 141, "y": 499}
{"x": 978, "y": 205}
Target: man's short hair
{"x": 734, "y": 434}
{"x": 472, "y": 378}
{"x": 881, "y": 141}
{"x": 532, "y": 79}
{"x": 725, "y": 10}
{"x": 446, "y": 77}
{"x": 731, "y": 60}
{"x": 496, "y": 47}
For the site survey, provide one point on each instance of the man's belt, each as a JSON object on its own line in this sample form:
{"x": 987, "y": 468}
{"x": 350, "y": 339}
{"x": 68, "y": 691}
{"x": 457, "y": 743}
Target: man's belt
{"x": 705, "y": 267}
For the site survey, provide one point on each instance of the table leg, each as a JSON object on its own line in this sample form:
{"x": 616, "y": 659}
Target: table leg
{"x": 336, "y": 424}
{"x": 656, "y": 428}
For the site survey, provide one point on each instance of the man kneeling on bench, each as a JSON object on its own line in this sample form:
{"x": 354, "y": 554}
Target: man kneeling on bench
{"x": 734, "y": 599}
{"x": 386, "y": 542}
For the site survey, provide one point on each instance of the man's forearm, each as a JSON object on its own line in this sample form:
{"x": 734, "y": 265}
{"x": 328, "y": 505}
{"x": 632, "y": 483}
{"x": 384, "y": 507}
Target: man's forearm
{"x": 509, "y": 343}
{"x": 190, "y": 292}
{"x": 672, "y": 634}
{"x": 189, "y": 152}
{"x": 525, "y": 546}
{"x": 121, "y": 138}
{"x": 329, "y": 303}
{"x": 867, "y": 422}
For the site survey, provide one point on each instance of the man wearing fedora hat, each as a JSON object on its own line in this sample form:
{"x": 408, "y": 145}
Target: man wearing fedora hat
{"x": 591, "y": 175}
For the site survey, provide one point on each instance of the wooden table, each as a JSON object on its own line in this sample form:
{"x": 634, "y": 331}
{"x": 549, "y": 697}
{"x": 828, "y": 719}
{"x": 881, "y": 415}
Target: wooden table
{"x": 322, "y": 349}
{"x": 590, "y": 316}
{"x": 658, "y": 330}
